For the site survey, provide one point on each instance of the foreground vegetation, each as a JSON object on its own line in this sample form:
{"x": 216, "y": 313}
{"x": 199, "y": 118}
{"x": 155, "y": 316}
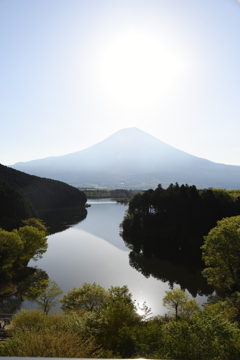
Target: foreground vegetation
{"x": 100, "y": 323}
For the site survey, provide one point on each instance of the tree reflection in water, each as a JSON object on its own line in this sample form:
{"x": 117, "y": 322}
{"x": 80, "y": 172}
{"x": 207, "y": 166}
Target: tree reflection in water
{"x": 189, "y": 278}
{"x": 165, "y": 229}
{"x": 10, "y": 304}
{"x": 56, "y": 221}
{"x": 61, "y": 219}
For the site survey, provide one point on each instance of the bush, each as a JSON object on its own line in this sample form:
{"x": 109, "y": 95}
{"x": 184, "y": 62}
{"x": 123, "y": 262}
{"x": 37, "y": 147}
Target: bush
{"x": 35, "y": 334}
{"x": 48, "y": 343}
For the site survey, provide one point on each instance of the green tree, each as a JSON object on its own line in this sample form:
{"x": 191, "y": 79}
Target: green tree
{"x": 118, "y": 311}
{"x": 11, "y": 247}
{"x": 34, "y": 242}
{"x": 178, "y": 303}
{"x": 221, "y": 254}
{"x": 89, "y": 297}
{"x": 204, "y": 337}
{"x": 97, "y": 312}
{"x": 37, "y": 223}
{"x": 19, "y": 246}
{"x": 144, "y": 340}
{"x": 120, "y": 308}
{"x": 45, "y": 293}
{"x": 226, "y": 308}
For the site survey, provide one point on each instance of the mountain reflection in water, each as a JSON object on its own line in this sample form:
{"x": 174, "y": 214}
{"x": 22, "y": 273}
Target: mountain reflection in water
{"x": 90, "y": 249}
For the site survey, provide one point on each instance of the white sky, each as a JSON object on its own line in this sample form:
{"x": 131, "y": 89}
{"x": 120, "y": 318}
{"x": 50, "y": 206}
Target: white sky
{"x": 72, "y": 72}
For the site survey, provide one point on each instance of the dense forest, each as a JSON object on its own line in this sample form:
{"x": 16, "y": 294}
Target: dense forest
{"x": 170, "y": 223}
{"x": 15, "y": 206}
{"x": 23, "y": 195}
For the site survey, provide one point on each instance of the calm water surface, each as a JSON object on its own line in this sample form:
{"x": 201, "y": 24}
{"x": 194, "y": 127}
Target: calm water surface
{"x": 93, "y": 251}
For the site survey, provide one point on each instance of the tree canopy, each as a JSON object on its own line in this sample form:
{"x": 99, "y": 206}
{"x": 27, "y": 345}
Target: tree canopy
{"x": 45, "y": 293}
{"x": 17, "y": 247}
{"x": 221, "y": 254}
{"x": 103, "y": 312}
{"x": 178, "y": 303}
{"x": 89, "y": 297}
{"x": 172, "y": 222}
{"x": 165, "y": 229}
{"x": 113, "y": 333}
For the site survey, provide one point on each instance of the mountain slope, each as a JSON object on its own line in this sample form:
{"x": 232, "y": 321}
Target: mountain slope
{"x": 15, "y": 206}
{"x": 131, "y": 158}
{"x": 42, "y": 193}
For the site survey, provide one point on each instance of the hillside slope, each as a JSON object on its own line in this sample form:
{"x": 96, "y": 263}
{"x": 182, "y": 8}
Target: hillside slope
{"x": 22, "y": 195}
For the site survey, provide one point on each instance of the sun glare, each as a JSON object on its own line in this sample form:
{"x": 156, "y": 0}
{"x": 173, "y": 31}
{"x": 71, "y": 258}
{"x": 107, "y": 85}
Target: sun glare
{"x": 137, "y": 70}
{"x": 140, "y": 312}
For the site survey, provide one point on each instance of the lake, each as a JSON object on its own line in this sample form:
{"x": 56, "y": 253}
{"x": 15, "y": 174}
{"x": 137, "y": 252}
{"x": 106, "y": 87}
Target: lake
{"x": 93, "y": 251}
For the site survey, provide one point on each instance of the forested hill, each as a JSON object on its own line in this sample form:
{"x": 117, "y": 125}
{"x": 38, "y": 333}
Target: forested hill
{"x": 170, "y": 223}
{"x": 22, "y": 195}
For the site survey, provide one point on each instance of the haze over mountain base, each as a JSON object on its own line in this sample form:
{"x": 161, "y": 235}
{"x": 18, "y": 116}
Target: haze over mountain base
{"x": 131, "y": 158}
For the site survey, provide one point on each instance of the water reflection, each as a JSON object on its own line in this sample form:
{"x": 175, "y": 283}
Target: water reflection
{"x": 56, "y": 221}
{"x": 104, "y": 217}
{"x": 90, "y": 249}
{"x": 189, "y": 279}
{"x": 11, "y": 304}
{"x": 76, "y": 256}
{"x": 61, "y": 219}
{"x": 168, "y": 263}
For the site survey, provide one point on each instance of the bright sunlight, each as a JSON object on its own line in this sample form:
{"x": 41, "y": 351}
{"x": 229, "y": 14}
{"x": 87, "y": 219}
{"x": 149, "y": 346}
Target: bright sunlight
{"x": 137, "y": 70}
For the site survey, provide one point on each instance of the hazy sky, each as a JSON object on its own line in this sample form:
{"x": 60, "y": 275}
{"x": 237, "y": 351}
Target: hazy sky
{"x": 73, "y": 72}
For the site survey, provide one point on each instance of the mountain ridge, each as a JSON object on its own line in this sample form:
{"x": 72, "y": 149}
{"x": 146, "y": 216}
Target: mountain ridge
{"x": 136, "y": 132}
{"x": 131, "y": 158}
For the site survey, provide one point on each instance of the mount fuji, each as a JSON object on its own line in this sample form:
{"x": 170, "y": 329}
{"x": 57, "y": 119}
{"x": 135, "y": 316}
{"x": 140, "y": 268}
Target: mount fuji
{"x": 131, "y": 158}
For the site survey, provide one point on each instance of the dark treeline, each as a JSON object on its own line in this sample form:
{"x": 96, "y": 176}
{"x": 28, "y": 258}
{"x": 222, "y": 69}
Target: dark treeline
{"x": 170, "y": 223}
{"x": 23, "y": 195}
